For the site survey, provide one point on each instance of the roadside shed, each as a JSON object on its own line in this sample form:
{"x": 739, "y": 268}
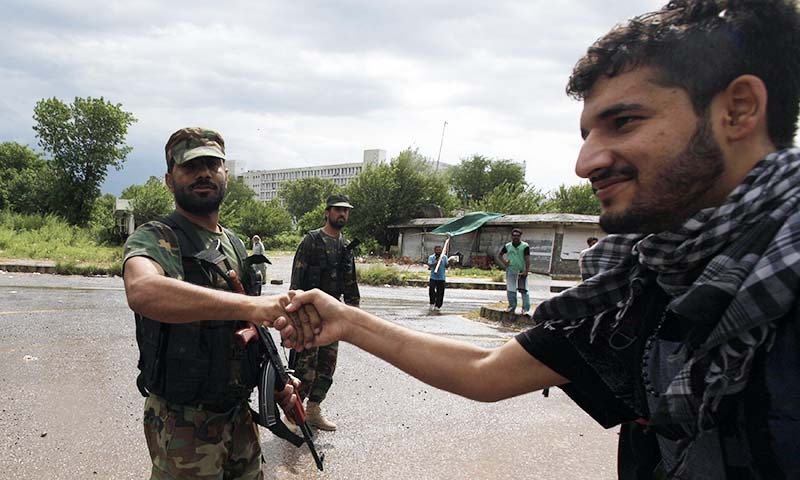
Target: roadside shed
{"x": 123, "y": 218}
{"x": 556, "y": 240}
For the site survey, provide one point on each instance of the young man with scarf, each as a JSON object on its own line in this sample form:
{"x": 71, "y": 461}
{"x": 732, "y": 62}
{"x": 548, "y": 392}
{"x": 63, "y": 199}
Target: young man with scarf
{"x": 687, "y": 333}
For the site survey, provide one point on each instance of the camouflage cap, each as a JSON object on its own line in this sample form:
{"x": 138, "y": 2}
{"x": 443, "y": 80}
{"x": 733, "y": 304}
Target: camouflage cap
{"x": 338, "y": 200}
{"x": 189, "y": 143}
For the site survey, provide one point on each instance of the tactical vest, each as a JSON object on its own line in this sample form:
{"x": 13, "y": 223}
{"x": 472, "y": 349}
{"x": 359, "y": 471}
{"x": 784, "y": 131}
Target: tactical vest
{"x": 193, "y": 363}
{"x": 329, "y": 278}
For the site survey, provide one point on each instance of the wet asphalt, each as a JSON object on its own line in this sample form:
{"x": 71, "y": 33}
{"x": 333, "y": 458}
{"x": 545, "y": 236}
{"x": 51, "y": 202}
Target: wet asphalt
{"x": 69, "y": 408}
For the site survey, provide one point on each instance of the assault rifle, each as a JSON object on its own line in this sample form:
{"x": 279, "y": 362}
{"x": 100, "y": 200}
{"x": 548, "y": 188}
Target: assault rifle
{"x": 273, "y": 372}
{"x": 274, "y": 375}
{"x": 353, "y": 245}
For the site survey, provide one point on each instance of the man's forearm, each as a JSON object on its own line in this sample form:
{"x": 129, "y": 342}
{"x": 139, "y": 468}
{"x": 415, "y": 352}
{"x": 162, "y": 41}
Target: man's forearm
{"x": 458, "y": 367}
{"x": 172, "y": 301}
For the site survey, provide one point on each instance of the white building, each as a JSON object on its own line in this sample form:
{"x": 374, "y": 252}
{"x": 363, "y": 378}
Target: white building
{"x": 267, "y": 183}
{"x": 230, "y": 165}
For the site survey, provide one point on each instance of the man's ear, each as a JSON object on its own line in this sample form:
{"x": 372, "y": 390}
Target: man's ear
{"x": 744, "y": 106}
{"x": 168, "y": 181}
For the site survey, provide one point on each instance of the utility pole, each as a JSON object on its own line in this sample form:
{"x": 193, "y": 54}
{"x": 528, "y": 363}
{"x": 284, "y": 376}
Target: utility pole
{"x": 440, "y": 146}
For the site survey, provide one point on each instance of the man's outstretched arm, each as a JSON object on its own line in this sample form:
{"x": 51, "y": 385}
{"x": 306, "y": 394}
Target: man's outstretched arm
{"x": 152, "y": 294}
{"x": 478, "y": 373}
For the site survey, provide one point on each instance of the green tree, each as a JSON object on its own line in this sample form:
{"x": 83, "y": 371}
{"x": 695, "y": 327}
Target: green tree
{"x": 246, "y": 216}
{"x": 101, "y": 221}
{"x": 304, "y": 194}
{"x": 27, "y": 183}
{"x": 264, "y": 219}
{"x": 578, "y": 199}
{"x": 149, "y": 201}
{"x": 475, "y": 177}
{"x": 237, "y": 197}
{"x": 84, "y": 138}
{"x": 385, "y": 194}
{"x": 312, "y": 219}
{"x": 512, "y": 200}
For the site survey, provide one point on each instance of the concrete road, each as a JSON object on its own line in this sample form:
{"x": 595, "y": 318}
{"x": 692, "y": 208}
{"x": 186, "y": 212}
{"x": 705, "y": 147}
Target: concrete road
{"x": 69, "y": 408}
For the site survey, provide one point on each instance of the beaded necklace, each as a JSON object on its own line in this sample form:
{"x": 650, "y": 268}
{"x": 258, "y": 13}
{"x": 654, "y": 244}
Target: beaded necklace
{"x": 648, "y": 348}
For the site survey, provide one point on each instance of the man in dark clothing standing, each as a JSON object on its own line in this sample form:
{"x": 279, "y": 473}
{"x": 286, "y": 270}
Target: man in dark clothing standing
{"x": 323, "y": 260}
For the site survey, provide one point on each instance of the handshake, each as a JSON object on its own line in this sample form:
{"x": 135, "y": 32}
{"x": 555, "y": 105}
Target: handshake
{"x": 308, "y": 318}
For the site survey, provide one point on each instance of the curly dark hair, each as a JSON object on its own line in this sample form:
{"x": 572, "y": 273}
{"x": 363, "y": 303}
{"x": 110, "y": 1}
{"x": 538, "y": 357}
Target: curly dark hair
{"x": 703, "y": 45}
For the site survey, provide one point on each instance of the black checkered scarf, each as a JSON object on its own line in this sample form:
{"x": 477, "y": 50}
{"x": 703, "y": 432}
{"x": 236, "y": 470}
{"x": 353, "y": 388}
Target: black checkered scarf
{"x": 734, "y": 269}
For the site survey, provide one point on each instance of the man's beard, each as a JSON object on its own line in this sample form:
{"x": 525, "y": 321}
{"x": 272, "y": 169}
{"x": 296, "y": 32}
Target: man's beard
{"x": 682, "y": 183}
{"x": 196, "y": 204}
{"x": 337, "y": 223}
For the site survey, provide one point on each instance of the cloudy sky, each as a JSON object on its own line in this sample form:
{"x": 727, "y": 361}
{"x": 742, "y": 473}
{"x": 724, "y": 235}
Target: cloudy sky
{"x": 300, "y": 83}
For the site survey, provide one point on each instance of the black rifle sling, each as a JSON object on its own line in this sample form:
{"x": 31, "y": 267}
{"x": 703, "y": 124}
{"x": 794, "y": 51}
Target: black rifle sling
{"x": 179, "y": 222}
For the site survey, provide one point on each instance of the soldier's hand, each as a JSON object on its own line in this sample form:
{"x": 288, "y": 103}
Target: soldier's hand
{"x": 319, "y": 310}
{"x": 288, "y": 396}
{"x": 306, "y": 324}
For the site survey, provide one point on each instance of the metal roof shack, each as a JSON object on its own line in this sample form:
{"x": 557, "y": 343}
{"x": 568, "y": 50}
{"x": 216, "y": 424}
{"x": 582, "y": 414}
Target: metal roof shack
{"x": 555, "y": 239}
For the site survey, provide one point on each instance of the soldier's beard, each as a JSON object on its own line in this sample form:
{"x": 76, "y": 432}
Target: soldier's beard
{"x": 199, "y": 204}
{"x": 337, "y": 224}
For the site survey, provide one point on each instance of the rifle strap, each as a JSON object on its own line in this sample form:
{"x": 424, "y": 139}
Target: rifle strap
{"x": 280, "y": 430}
{"x": 178, "y": 222}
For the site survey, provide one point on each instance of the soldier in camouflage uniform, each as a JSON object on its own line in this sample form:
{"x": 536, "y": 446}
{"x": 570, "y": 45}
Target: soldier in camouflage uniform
{"x": 323, "y": 260}
{"x": 196, "y": 379}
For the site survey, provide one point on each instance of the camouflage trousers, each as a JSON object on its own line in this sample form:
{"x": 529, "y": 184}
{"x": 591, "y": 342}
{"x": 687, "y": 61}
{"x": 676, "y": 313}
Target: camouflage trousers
{"x": 314, "y": 368}
{"x": 193, "y": 443}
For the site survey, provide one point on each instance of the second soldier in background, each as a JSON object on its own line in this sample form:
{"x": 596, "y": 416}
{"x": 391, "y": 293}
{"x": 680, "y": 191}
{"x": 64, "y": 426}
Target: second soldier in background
{"x": 323, "y": 260}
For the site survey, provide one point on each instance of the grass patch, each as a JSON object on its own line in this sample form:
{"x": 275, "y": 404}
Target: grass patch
{"x": 494, "y": 275}
{"x": 49, "y": 237}
{"x": 379, "y": 274}
{"x": 88, "y": 270}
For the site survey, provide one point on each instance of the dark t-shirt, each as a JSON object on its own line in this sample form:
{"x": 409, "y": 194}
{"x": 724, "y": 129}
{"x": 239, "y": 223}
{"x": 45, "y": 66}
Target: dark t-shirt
{"x": 585, "y": 387}
{"x": 609, "y": 405}
{"x": 773, "y": 385}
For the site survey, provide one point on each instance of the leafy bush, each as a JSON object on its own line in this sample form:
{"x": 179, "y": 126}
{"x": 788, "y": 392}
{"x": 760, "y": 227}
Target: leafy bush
{"x": 52, "y": 238}
{"x": 149, "y": 201}
{"x": 287, "y": 241}
{"x": 312, "y": 219}
{"x": 378, "y": 274}
{"x": 102, "y": 223}
{"x": 70, "y": 268}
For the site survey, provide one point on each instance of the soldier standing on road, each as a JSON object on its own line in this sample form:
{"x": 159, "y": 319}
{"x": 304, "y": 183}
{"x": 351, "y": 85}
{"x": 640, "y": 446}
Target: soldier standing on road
{"x": 516, "y": 257}
{"x": 323, "y": 260}
{"x": 196, "y": 379}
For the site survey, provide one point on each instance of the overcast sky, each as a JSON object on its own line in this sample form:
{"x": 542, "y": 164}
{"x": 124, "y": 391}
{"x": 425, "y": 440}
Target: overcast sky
{"x": 301, "y": 83}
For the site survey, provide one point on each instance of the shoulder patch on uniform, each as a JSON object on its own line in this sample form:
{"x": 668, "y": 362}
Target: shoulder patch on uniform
{"x": 166, "y": 245}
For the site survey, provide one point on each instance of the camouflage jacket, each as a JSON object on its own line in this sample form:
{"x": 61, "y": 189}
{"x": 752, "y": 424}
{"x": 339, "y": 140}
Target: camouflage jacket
{"x": 326, "y": 263}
